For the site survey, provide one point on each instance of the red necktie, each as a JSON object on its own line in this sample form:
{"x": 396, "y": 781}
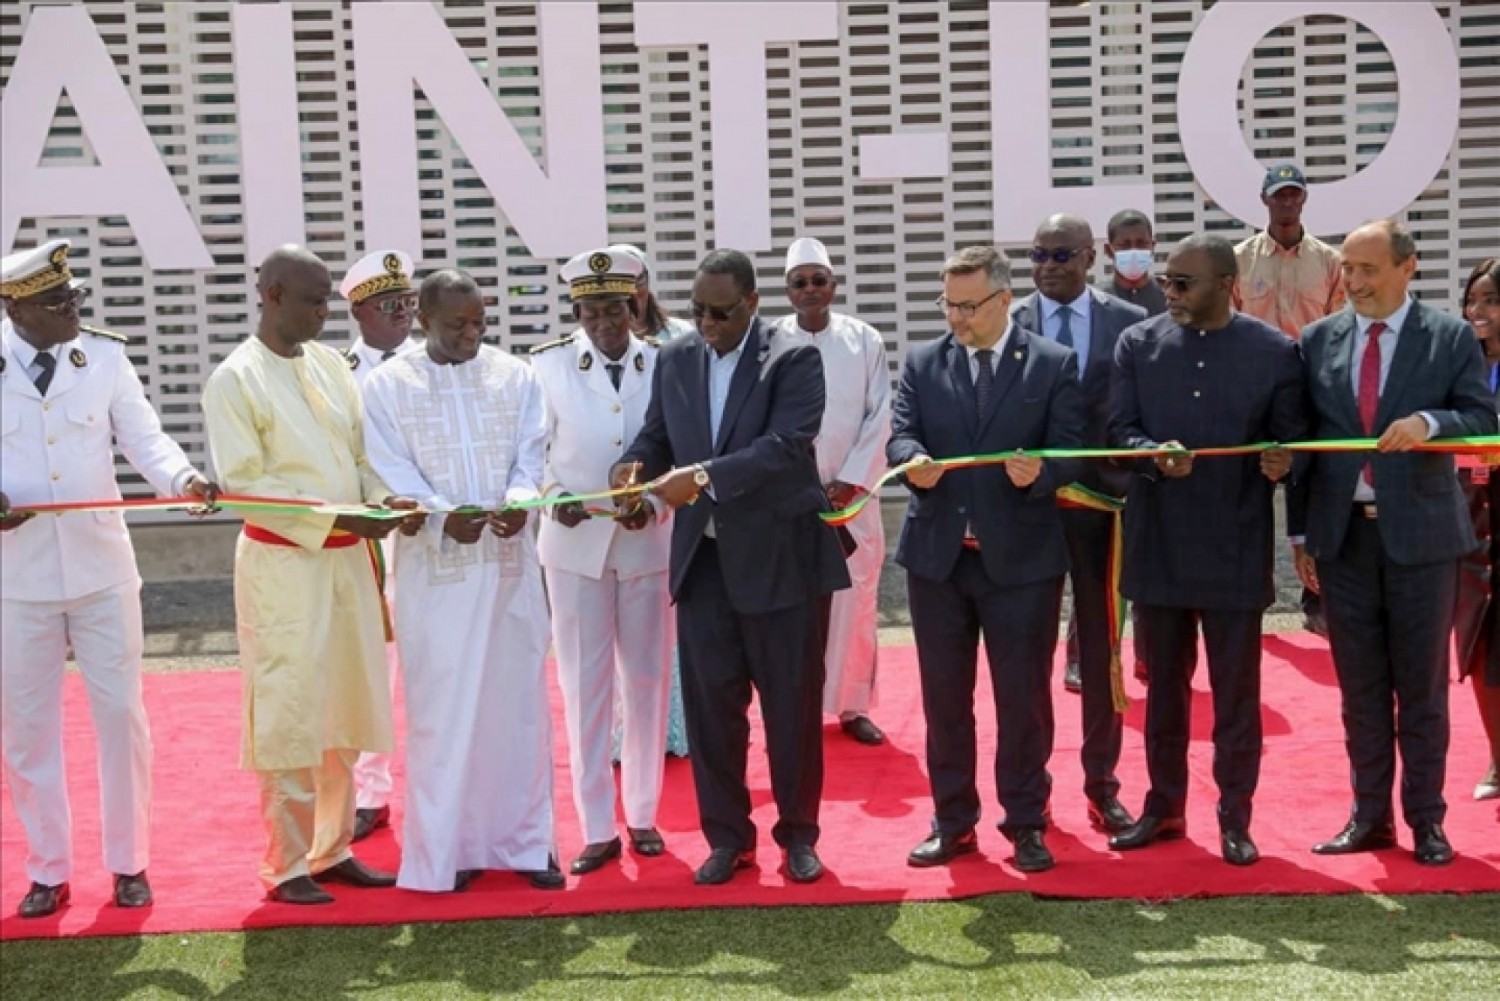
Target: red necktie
{"x": 1369, "y": 386}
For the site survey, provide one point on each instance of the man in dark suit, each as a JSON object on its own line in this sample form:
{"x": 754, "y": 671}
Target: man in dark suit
{"x": 1199, "y": 541}
{"x": 1384, "y": 532}
{"x": 1067, "y": 310}
{"x": 984, "y": 549}
{"x": 728, "y": 442}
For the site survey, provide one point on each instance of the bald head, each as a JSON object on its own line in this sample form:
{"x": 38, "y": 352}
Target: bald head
{"x": 294, "y": 287}
{"x": 1062, "y": 253}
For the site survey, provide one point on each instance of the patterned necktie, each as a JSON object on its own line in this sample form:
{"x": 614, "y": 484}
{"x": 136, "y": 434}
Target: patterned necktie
{"x": 48, "y": 365}
{"x": 615, "y": 370}
{"x": 984, "y": 385}
{"x": 1369, "y": 386}
{"x": 1065, "y": 326}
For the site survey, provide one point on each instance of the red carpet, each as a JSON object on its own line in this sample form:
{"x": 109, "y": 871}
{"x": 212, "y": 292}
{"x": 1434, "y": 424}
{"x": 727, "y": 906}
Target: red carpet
{"x": 876, "y": 807}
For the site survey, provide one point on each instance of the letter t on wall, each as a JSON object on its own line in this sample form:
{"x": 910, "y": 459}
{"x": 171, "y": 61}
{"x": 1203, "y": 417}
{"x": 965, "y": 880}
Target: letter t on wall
{"x": 736, "y": 35}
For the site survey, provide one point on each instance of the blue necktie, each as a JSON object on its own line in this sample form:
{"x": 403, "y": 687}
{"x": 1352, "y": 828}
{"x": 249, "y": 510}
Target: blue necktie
{"x": 984, "y": 386}
{"x": 1065, "y": 326}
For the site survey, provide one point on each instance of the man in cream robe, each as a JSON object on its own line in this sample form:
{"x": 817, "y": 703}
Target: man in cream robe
{"x": 456, "y": 425}
{"x": 851, "y": 455}
{"x": 284, "y": 420}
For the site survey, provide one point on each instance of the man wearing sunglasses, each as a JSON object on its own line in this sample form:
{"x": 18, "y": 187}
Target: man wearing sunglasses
{"x": 1199, "y": 532}
{"x": 984, "y": 549}
{"x": 1067, "y": 310}
{"x": 378, "y": 288}
{"x": 851, "y": 454}
{"x": 728, "y": 442}
{"x": 73, "y": 580}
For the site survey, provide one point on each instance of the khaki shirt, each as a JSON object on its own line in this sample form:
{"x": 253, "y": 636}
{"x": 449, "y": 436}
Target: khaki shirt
{"x": 1288, "y": 288}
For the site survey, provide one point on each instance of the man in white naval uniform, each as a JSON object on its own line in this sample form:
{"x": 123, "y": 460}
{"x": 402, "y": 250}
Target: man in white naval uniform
{"x": 73, "y": 579}
{"x": 383, "y": 303}
{"x": 851, "y": 455}
{"x": 607, "y": 577}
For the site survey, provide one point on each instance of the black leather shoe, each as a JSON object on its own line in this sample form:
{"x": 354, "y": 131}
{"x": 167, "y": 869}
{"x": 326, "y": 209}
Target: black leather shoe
{"x": 132, "y": 891}
{"x": 1031, "y": 851}
{"x": 594, "y": 856}
{"x": 367, "y": 821}
{"x": 646, "y": 841}
{"x": 550, "y": 878}
{"x": 802, "y": 864}
{"x": 300, "y": 890}
{"x": 1109, "y": 815}
{"x": 355, "y": 873}
{"x": 1432, "y": 847}
{"x": 721, "y": 865}
{"x": 864, "y": 730}
{"x": 1149, "y": 829}
{"x": 463, "y": 878}
{"x": 1238, "y": 849}
{"x": 1073, "y": 677}
{"x": 940, "y": 849}
{"x": 1358, "y": 837}
{"x": 42, "y": 900}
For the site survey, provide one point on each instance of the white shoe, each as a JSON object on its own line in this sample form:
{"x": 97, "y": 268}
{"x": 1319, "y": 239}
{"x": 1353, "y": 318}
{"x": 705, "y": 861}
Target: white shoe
{"x": 1489, "y": 786}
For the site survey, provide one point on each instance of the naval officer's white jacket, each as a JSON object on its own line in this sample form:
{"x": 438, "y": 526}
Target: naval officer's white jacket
{"x": 589, "y": 425}
{"x": 61, "y": 448}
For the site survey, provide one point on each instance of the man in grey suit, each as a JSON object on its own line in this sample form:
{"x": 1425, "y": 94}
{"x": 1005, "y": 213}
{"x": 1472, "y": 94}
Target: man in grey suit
{"x": 1067, "y": 310}
{"x": 1384, "y": 532}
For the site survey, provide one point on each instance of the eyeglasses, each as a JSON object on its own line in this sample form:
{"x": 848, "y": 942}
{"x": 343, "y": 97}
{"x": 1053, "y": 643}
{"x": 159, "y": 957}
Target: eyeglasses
{"x": 719, "y": 313}
{"x": 73, "y": 300}
{"x": 396, "y": 304}
{"x": 816, "y": 281}
{"x": 965, "y": 309}
{"x": 1179, "y": 283}
{"x": 1062, "y": 255}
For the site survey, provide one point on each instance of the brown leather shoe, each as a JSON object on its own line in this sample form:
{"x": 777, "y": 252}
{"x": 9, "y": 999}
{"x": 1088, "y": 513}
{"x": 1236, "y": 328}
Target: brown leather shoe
{"x": 299, "y": 890}
{"x": 355, "y": 873}
{"x": 132, "y": 891}
{"x": 647, "y": 841}
{"x": 594, "y": 856}
{"x": 42, "y": 900}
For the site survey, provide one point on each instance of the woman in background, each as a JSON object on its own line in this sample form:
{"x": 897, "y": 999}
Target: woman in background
{"x": 1477, "y": 622}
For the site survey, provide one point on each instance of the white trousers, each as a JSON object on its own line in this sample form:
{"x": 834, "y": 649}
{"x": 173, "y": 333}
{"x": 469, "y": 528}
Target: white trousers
{"x": 372, "y": 772}
{"x": 611, "y": 633}
{"x": 107, "y": 639}
{"x": 853, "y": 649}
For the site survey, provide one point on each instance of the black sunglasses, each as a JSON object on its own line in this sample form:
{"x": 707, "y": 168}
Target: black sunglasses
{"x": 719, "y": 313}
{"x": 1062, "y": 255}
{"x": 1181, "y": 283}
{"x": 816, "y": 281}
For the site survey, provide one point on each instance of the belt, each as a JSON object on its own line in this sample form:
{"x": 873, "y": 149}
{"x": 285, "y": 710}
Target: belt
{"x": 1365, "y": 510}
{"x": 335, "y": 540}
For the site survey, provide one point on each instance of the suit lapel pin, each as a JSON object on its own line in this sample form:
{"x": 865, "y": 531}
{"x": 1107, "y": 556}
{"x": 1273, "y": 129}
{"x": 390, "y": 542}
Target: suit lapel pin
{"x": 78, "y": 358}
{"x": 585, "y": 361}
{"x": 640, "y": 363}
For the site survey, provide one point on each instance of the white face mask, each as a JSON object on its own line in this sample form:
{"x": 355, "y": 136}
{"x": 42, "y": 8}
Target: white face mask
{"x": 1132, "y": 264}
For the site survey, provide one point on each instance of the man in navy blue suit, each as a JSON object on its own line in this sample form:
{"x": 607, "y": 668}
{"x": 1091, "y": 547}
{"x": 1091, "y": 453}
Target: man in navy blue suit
{"x": 1384, "y": 532}
{"x": 1066, "y": 309}
{"x": 728, "y": 442}
{"x": 984, "y": 549}
{"x": 1199, "y": 547}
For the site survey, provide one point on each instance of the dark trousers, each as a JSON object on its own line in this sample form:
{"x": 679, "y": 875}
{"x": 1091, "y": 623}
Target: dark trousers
{"x": 1088, "y": 535}
{"x": 1019, "y": 625}
{"x": 1232, "y": 641}
{"x": 725, "y": 653}
{"x": 1388, "y": 628}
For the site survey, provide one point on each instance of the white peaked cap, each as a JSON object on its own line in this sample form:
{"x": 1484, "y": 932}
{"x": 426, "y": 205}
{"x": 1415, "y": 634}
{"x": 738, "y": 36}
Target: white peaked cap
{"x": 377, "y": 273}
{"x": 630, "y": 250}
{"x": 806, "y": 250}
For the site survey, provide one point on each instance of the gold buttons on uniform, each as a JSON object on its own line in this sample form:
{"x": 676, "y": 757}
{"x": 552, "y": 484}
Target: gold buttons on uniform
{"x": 57, "y": 476}
{"x": 51, "y": 439}
{"x": 617, "y": 408}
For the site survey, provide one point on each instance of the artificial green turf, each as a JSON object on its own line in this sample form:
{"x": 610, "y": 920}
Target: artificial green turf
{"x": 1431, "y": 947}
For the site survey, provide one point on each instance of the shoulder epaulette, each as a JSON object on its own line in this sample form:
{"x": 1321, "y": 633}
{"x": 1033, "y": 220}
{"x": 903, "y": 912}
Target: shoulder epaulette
{"x": 652, "y": 340}
{"x": 99, "y": 332}
{"x": 551, "y": 344}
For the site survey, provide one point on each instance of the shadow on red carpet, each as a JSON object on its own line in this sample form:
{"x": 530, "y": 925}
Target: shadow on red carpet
{"x": 207, "y": 835}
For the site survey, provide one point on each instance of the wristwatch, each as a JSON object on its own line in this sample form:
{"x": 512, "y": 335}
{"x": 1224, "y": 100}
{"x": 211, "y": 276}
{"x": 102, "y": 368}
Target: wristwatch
{"x": 700, "y": 476}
